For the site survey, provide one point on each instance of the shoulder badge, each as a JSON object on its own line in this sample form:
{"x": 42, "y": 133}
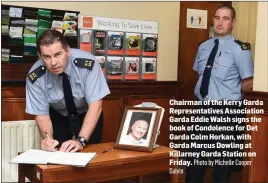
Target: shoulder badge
{"x": 84, "y": 63}
{"x": 37, "y": 73}
{"x": 244, "y": 46}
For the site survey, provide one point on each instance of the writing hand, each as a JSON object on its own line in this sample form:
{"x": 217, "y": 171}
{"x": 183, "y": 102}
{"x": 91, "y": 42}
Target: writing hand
{"x": 71, "y": 146}
{"x": 49, "y": 144}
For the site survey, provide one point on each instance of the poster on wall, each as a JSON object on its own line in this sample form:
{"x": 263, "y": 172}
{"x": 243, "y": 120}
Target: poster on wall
{"x": 125, "y": 44}
{"x": 85, "y": 40}
{"x": 132, "y": 68}
{"x": 149, "y": 45}
{"x": 115, "y": 43}
{"x": 99, "y": 42}
{"x": 197, "y": 19}
{"x": 133, "y": 44}
{"x": 116, "y": 24}
{"x": 114, "y": 68}
{"x": 148, "y": 69}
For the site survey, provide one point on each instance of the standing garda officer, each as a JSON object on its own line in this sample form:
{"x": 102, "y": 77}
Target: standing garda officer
{"x": 64, "y": 89}
{"x": 225, "y": 69}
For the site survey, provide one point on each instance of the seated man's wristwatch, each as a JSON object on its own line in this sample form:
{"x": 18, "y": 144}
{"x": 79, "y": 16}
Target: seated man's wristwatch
{"x": 82, "y": 141}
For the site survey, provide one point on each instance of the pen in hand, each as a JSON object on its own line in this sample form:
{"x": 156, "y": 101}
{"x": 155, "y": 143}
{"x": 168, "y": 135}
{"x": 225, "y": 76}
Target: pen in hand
{"x": 47, "y": 135}
{"x": 54, "y": 144}
{"x": 48, "y": 138}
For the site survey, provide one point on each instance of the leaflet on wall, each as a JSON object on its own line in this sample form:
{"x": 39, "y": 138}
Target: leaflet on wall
{"x": 70, "y": 16}
{"x": 149, "y": 45}
{"x": 133, "y": 44}
{"x": 57, "y": 24}
{"x": 101, "y": 60}
{"x": 69, "y": 33}
{"x": 69, "y": 25}
{"x": 115, "y": 43}
{"x": 15, "y": 12}
{"x": 148, "y": 69}
{"x": 132, "y": 68}
{"x": 85, "y": 40}
{"x": 99, "y": 42}
{"x": 15, "y": 32}
{"x": 5, "y": 17}
{"x": 114, "y": 68}
{"x": 117, "y": 38}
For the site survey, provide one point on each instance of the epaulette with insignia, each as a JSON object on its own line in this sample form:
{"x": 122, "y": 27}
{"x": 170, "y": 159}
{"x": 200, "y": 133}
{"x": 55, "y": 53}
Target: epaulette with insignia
{"x": 204, "y": 41}
{"x": 84, "y": 63}
{"x": 37, "y": 73}
{"x": 244, "y": 46}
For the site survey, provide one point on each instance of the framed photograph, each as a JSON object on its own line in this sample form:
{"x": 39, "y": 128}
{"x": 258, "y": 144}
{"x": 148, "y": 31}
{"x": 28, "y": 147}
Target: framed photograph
{"x": 138, "y": 130}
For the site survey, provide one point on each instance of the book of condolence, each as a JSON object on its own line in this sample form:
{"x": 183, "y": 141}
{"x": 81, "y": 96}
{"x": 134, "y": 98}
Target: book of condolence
{"x": 33, "y": 156}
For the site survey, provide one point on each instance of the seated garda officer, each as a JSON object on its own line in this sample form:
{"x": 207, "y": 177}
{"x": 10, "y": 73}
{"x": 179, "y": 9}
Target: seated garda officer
{"x": 224, "y": 66}
{"x": 64, "y": 89}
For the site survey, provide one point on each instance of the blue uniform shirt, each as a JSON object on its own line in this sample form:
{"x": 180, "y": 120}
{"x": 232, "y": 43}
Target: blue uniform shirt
{"x": 87, "y": 86}
{"x": 231, "y": 65}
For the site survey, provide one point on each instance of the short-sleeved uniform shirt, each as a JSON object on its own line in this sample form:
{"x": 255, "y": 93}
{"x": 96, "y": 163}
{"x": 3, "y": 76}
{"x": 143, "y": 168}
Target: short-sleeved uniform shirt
{"x": 231, "y": 65}
{"x": 87, "y": 86}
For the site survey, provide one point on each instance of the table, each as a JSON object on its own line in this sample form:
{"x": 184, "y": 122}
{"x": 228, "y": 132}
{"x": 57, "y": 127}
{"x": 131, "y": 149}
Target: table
{"x": 112, "y": 165}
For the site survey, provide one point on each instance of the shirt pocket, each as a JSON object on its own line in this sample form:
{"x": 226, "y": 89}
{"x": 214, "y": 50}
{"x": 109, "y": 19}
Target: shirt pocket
{"x": 222, "y": 68}
{"x": 55, "y": 93}
{"x": 79, "y": 96}
{"x": 202, "y": 61}
{"x": 225, "y": 68}
{"x": 78, "y": 89}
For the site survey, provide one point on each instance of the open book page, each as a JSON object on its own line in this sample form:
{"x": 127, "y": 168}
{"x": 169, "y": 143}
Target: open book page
{"x": 73, "y": 159}
{"x": 33, "y": 156}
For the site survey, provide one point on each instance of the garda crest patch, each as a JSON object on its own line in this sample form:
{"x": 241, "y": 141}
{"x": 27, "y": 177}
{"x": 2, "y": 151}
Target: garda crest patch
{"x": 244, "y": 46}
{"x": 36, "y": 73}
{"x": 84, "y": 63}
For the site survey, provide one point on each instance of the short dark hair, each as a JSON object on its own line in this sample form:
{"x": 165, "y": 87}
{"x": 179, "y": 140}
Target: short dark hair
{"x": 49, "y": 37}
{"x": 233, "y": 13}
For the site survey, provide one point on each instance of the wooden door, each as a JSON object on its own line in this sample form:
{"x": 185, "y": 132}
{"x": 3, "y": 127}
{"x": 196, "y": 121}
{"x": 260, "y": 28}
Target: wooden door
{"x": 189, "y": 40}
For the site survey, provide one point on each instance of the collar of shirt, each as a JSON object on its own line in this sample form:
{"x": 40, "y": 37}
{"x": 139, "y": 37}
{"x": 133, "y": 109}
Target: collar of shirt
{"x": 71, "y": 68}
{"x": 69, "y": 65}
{"x": 224, "y": 39}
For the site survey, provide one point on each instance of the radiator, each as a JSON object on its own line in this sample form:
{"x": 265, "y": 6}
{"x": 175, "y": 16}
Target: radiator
{"x": 17, "y": 136}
